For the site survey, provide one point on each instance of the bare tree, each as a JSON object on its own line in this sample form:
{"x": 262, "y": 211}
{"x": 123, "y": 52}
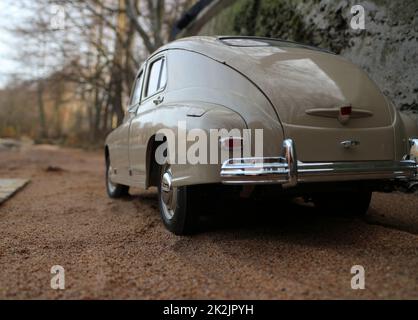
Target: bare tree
{"x": 96, "y": 56}
{"x": 153, "y": 19}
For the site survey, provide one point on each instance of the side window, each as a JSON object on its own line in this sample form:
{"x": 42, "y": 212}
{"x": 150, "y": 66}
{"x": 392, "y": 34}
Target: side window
{"x": 157, "y": 78}
{"x": 136, "y": 94}
{"x": 163, "y": 75}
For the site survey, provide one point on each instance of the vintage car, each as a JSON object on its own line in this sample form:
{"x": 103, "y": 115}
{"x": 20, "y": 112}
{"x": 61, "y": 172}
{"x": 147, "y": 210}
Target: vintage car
{"x": 328, "y": 132}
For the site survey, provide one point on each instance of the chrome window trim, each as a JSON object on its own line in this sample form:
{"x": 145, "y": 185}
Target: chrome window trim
{"x": 146, "y": 78}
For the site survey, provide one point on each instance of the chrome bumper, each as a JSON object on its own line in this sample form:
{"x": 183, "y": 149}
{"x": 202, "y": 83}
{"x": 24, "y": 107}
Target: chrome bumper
{"x": 288, "y": 171}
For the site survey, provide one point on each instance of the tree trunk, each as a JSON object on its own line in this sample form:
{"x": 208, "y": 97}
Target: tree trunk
{"x": 41, "y": 109}
{"x": 118, "y": 63}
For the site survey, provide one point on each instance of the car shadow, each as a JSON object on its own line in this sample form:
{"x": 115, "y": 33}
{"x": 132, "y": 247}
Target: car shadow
{"x": 251, "y": 217}
{"x": 278, "y": 216}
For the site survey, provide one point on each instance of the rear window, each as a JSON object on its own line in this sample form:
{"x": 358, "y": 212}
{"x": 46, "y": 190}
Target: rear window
{"x": 265, "y": 42}
{"x": 245, "y": 43}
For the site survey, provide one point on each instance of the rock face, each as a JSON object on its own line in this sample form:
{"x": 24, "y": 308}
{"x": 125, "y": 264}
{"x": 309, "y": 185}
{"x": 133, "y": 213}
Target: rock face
{"x": 387, "y": 49}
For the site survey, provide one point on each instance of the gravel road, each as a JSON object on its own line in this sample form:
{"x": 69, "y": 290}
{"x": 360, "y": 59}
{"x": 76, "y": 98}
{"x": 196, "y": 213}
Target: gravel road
{"x": 120, "y": 250}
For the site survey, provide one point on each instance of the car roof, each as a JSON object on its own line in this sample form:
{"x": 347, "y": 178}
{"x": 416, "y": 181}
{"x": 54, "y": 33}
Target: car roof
{"x": 235, "y": 45}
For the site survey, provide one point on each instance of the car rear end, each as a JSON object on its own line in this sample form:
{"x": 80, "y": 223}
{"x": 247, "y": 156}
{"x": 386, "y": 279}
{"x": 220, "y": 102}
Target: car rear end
{"x": 338, "y": 126}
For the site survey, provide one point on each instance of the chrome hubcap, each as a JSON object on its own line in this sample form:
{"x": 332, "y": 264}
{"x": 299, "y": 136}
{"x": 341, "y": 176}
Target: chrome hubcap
{"x": 110, "y": 185}
{"x": 168, "y": 195}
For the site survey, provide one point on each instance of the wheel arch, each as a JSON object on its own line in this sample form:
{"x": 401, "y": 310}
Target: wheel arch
{"x": 107, "y": 153}
{"x": 152, "y": 171}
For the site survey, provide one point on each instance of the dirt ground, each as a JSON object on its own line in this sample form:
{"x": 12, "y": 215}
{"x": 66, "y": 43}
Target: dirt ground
{"x": 119, "y": 249}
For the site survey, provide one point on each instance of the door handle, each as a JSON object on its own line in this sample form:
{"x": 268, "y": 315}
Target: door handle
{"x": 158, "y": 100}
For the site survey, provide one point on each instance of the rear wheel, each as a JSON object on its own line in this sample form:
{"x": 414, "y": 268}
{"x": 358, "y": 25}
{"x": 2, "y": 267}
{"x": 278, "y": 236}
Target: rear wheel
{"x": 354, "y": 203}
{"x": 178, "y": 205}
{"x": 114, "y": 190}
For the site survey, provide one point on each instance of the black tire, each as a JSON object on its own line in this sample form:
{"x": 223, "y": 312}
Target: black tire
{"x": 413, "y": 188}
{"x": 114, "y": 190}
{"x": 355, "y": 203}
{"x": 183, "y": 217}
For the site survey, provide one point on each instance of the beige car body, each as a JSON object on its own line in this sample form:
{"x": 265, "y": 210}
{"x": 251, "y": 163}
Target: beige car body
{"x": 288, "y": 90}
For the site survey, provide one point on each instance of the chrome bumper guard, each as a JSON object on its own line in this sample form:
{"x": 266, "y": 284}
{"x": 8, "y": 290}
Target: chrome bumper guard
{"x": 288, "y": 171}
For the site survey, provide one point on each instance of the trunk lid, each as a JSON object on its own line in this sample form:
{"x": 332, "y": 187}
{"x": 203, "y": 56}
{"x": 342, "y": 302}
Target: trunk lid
{"x": 308, "y": 88}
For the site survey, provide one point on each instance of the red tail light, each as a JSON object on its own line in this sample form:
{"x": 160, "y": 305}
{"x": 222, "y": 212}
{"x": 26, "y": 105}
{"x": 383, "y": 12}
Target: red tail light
{"x": 346, "y": 111}
{"x": 231, "y": 143}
